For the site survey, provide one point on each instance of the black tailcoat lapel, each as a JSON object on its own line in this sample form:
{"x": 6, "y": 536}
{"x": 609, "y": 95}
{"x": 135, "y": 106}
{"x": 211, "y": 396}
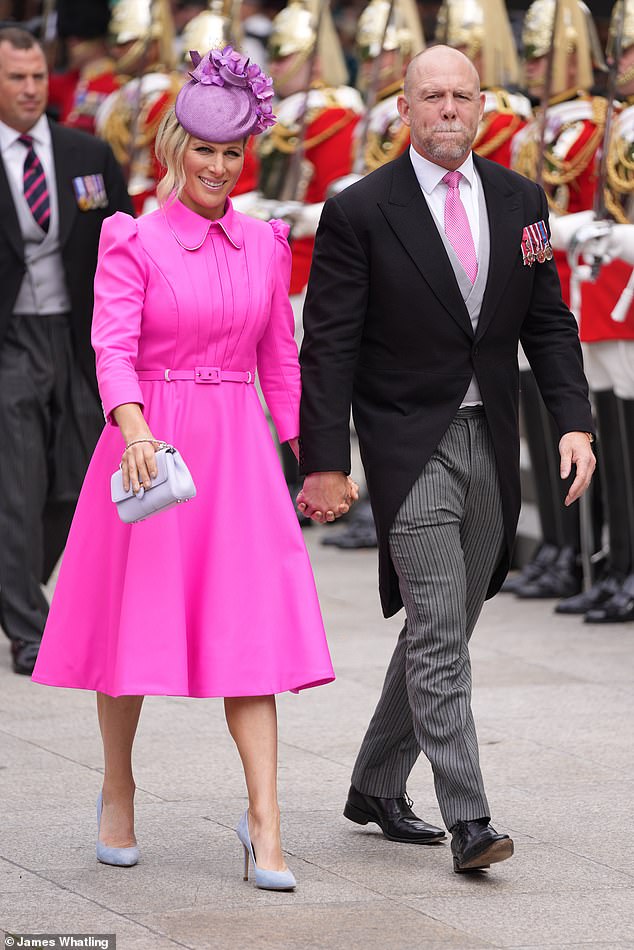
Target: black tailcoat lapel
{"x": 64, "y": 155}
{"x": 8, "y": 215}
{"x": 506, "y": 223}
{"x": 408, "y": 214}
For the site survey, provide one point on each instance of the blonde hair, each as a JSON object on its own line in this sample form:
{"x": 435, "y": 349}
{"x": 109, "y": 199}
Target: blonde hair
{"x": 170, "y": 147}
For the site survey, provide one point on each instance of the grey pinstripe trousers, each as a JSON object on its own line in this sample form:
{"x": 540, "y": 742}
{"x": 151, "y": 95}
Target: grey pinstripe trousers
{"x": 49, "y": 424}
{"x": 445, "y": 543}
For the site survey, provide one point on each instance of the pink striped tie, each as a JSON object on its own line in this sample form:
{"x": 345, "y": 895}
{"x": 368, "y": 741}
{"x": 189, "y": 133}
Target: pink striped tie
{"x": 34, "y": 183}
{"x": 457, "y": 226}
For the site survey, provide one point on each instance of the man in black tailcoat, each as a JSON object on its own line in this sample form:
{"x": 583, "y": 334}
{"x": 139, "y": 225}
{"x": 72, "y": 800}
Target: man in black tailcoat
{"x": 425, "y": 277}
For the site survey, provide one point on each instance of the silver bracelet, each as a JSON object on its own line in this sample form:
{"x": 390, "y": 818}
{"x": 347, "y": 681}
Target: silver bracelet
{"x": 137, "y": 441}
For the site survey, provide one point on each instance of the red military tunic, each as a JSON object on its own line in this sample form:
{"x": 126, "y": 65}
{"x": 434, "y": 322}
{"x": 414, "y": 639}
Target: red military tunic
{"x": 387, "y": 136}
{"x": 505, "y": 114}
{"x": 600, "y": 298}
{"x": 574, "y": 132}
{"x": 327, "y": 152}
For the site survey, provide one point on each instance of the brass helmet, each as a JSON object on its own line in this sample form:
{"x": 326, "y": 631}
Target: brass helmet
{"x": 295, "y": 29}
{"x": 403, "y": 32}
{"x": 574, "y": 32}
{"x": 627, "y": 35}
{"x": 136, "y": 22}
{"x": 481, "y": 28}
{"x": 210, "y": 29}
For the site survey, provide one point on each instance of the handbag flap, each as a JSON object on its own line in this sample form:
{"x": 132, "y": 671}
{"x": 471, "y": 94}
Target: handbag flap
{"x": 116, "y": 482}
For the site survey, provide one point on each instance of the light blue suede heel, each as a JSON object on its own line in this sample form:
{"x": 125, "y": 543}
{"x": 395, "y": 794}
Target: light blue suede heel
{"x": 267, "y": 880}
{"x": 119, "y": 857}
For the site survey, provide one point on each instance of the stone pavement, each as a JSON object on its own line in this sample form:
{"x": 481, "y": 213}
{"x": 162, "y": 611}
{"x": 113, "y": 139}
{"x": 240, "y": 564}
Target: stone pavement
{"x": 554, "y": 705}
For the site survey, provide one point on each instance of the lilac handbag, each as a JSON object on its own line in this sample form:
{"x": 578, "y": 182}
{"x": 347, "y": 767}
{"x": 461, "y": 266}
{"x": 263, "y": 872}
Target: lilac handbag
{"x": 172, "y": 485}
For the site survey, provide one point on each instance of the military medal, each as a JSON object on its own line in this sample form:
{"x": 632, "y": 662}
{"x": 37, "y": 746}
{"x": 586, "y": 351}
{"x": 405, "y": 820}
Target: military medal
{"x": 90, "y": 192}
{"x": 548, "y": 251}
{"x": 527, "y": 249}
{"x": 81, "y": 195}
{"x": 536, "y": 238}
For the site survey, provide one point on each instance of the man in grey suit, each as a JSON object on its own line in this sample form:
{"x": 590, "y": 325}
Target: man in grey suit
{"x": 56, "y": 187}
{"x": 425, "y": 277}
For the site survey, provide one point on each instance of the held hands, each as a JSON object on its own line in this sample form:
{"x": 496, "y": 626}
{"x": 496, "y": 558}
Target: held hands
{"x": 326, "y": 496}
{"x": 575, "y": 449}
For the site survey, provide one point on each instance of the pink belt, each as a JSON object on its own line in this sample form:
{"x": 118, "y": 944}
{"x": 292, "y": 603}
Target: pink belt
{"x": 200, "y": 374}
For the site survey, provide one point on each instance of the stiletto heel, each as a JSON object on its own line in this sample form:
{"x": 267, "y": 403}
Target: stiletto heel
{"x": 118, "y": 857}
{"x": 267, "y": 880}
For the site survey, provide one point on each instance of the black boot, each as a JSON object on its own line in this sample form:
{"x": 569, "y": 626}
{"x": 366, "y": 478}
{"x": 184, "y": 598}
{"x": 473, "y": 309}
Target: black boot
{"x": 619, "y": 609}
{"x": 560, "y": 525}
{"x": 600, "y": 592}
{"x": 359, "y": 532}
{"x": 611, "y": 464}
{"x": 561, "y": 579}
{"x": 545, "y": 556}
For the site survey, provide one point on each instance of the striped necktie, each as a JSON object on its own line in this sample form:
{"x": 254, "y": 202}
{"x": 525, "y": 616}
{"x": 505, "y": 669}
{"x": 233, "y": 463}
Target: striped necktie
{"x": 34, "y": 183}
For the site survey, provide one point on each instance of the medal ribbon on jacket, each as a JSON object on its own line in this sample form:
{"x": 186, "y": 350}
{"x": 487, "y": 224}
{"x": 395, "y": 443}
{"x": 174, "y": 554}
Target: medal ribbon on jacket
{"x": 535, "y": 244}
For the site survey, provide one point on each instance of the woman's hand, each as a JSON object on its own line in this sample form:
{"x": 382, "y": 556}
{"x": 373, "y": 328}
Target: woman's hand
{"x": 326, "y": 496}
{"x": 294, "y": 447}
{"x": 138, "y": 464}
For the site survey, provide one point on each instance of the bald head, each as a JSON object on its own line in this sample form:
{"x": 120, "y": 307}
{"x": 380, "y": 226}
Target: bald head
{"x": 442, "y": 105}
{"x": 436, "y": 60}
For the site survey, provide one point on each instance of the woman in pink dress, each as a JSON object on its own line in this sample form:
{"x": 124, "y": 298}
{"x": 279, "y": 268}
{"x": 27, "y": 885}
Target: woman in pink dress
{"x": 215, "y": 597}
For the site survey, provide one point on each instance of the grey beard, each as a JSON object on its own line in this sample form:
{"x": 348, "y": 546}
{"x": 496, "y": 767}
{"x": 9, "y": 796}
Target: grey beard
{"x": 447, "y": 151}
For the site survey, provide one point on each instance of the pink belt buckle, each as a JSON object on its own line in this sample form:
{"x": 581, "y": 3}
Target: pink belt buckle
{"x": 207, "y": 374}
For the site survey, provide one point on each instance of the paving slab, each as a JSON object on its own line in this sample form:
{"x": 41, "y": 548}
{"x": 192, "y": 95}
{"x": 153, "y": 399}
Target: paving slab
{"x": 554, "y": 707}
{"x": 314, "y": 927}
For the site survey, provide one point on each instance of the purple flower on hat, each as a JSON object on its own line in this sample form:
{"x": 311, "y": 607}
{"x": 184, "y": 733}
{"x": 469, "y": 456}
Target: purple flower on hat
{"x": 227, "y": 67}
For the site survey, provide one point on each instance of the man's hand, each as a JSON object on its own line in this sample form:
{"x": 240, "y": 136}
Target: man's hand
{"x": 575, "y": 449}
{"x": 327, "y": 495}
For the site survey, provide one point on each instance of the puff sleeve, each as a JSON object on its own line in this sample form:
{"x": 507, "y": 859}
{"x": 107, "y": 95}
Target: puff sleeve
{"x": 277, "y": 359}
{"x": 120, "y": 283}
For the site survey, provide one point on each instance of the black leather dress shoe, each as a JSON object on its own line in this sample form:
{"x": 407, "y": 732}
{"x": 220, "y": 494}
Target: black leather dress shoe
{"x": 23, "y": 656}
{"x": 618, "y": 609}
{"x": 394, "y": 816}
{"x": 475, "y": 845}
{"x": 599, "y": 593}
{"x": 561, "y": 579}
{"x": 545, "y": 556}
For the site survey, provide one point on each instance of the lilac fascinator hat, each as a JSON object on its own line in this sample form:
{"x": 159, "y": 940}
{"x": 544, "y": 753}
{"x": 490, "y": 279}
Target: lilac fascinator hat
{"x": 227, "y": 97}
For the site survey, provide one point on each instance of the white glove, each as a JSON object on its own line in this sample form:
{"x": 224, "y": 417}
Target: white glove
{"x": 564, "y": 226}
{"x": 619, "y": 243}
{"x": 337, "y": 186}
{"x": 255, "y": 205}
{"x": 302, "y": 218}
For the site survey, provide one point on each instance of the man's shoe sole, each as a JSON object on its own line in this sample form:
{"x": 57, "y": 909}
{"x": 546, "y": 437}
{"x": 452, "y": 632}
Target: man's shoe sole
{"x": 352, "y": 813}
{"x": 496, "y": 852}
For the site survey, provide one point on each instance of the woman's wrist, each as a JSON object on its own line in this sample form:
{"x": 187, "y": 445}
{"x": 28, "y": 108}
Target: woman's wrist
{"x": 131, "y": 422}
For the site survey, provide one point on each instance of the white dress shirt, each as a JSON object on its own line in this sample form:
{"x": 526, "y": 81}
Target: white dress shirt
{"x": 43, "y": 288}
{"x": 430, "y": 178}
{"x": 435, "y": 191}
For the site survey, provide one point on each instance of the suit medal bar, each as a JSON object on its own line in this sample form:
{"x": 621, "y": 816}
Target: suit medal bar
{"x": 545, "y": 243}
{"x": 90, "y": 192}
{"x": 535, "y": 244}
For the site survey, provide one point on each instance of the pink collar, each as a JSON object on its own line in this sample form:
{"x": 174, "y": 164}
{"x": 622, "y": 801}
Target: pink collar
{"x": 190, "y": 229}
